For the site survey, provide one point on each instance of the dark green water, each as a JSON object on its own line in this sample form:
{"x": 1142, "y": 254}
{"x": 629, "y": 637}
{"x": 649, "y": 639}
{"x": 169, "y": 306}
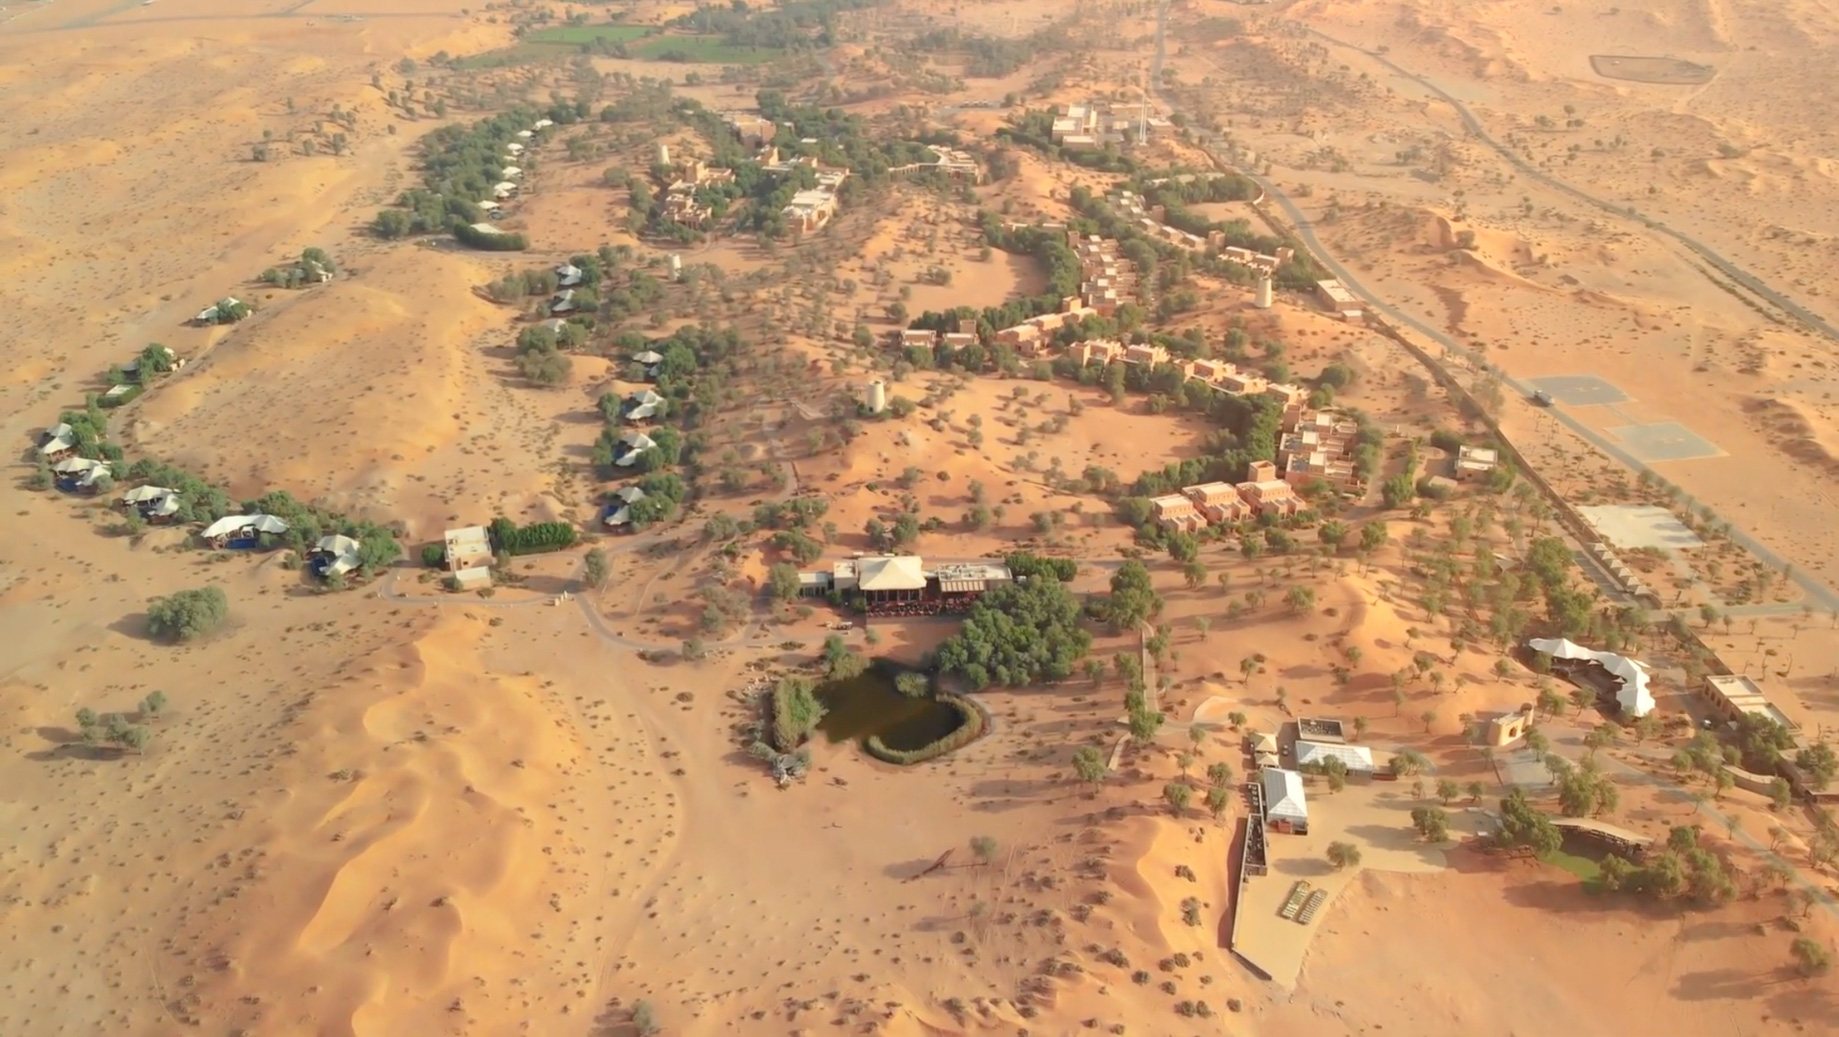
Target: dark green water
{"x": 870, "y": 705}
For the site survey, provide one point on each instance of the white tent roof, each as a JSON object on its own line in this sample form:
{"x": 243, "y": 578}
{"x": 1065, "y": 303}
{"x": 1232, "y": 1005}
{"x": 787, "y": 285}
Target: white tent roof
{"x": 77, "y": 465}
{"x": 637, "y": 441}
{"x": 542, "y": 124}
{"x": 344, "y": 552}
{"x": 58, "y": 437}
{"x": 233, "y": 523}
{"x": 891, "y": 573}
{"x": 510, "y": 172}
{"x": 1632, "y": 696}
{"x": 1283, "y": 794}
{"x": 630, "y": 494}
{"x": 143, "y": 494}
{"x": 648, "y": 357}
{"x": 1264, "y": 742}
{"x": 526, "y": 134}
{"x": 1356, "y": 757}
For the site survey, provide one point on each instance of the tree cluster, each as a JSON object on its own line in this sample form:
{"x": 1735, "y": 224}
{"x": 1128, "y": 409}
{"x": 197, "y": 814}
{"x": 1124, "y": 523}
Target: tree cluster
{"x": 510, "y": 538}
{"x": 1016, "y": 635}
{"x": 188, "y": 614}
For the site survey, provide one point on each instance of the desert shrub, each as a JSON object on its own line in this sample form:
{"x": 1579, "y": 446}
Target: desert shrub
{"x": 967, "y": 731}
{"x": 184, "y": 615}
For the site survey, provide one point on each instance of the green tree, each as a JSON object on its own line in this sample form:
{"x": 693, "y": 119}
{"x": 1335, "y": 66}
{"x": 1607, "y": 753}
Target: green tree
{"x": 1818, "y": 765}
{"x": 1343, "y": 855}
{"x": 188, "y": 614}
{"x": 1360, "y": 728}
{"x": 1431, "y": 822}
{"x": 1522, "y": 825}
{"x": 1177, "y": 793}
{"x": 1333, "y": 533}
{"x": 782, "y": 581}
{"x": 983, "y": 847}
{"x": 1448, "y": 790}
{"x": 1811, "y": 958}
{"x": 1301, "y": 599}
{"x": 1133, "y": 598}
{"x": 153, "y": 705}
{"x": 1089, "y": 764}
{"x": 1218, "y": 798}
{"x": 1144, "y": 723}
{"x": 594, "y": 568}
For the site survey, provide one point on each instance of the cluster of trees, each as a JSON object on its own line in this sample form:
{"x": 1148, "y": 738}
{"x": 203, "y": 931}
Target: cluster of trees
{"x": 1683, "y": 868}
{"x": 188, "y": 614}
{"x": 1016, "y": 635}
{"x": 153, "y": 361}
{"x": 987, "y": 57}
{"x": 116, "y": 730}
{"x": 1024, "y": 564}
{"x": 793, "y": 25}
{"x": 313, "y": 266}
{"x": 510, "y": 538}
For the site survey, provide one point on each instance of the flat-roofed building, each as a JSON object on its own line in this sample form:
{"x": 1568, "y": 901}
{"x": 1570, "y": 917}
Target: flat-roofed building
{"x": 1473, "y": 462}
{"x": 1267, "y": 494}
{"x": 1338, "y": 299}
{"x": 1732, "y": 696}
{"x": 919, "y": 337}
{"x": 1218, "y": 501}
{"x": 1146, "y": 355}
{"x": 1175, "y": 512}
{"x": 1100, "y": 350}
{"x": 468, "y": 547}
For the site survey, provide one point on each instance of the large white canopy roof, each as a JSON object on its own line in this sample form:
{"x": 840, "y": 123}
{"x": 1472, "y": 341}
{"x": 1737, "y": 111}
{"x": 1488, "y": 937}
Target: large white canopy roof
{"x": 1632, "y": 696}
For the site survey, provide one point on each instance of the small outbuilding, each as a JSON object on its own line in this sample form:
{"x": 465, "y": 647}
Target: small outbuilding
{"x": 80, "y": 473}
{"x": 620, "y": 514}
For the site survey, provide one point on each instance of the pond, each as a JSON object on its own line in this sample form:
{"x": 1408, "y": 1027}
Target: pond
{"x": 869, "y": 704}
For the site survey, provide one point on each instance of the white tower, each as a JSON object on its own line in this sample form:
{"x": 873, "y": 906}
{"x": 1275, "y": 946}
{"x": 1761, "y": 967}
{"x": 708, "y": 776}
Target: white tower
{"x": 877, "y": 396}
{"x": 663, "y": 155}
{"x": 676, "y": 267}
{"x": 1262, "y": 300}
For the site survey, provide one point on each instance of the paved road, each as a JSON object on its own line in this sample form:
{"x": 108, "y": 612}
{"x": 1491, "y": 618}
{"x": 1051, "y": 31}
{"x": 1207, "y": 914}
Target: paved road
{"x": 1816, "y": 590}
{"x": 1725, "y": 266}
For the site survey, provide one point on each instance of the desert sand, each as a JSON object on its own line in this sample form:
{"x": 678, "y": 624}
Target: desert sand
{"x": 392, "y": 810}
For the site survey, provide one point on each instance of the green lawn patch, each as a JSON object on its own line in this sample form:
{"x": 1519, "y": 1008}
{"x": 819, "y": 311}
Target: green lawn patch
{"x": 1588, "y": 871}
{"x": 703, "y": 50}
{"x": 557, "y": 41}
{"x": 579, "y": 34}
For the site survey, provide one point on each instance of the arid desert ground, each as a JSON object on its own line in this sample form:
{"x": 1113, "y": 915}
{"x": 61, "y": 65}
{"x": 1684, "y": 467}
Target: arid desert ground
{"x": 392, "y": 809}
